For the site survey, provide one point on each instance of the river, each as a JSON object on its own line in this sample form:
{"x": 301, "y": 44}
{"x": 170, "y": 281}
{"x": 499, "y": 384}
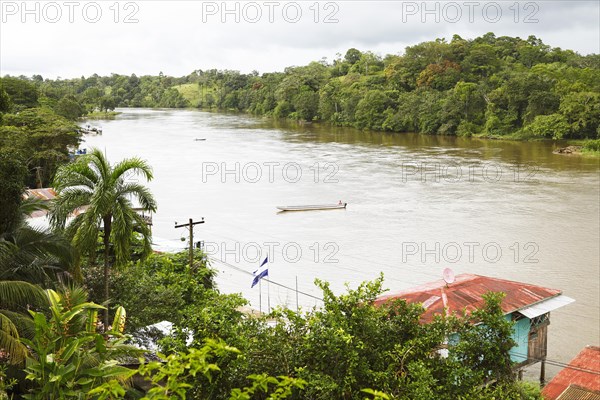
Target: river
{"x": 416, "y": 205}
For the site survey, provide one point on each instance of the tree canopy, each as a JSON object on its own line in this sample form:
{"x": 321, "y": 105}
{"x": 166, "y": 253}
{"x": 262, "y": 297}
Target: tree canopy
{"x": 490, "y": 86}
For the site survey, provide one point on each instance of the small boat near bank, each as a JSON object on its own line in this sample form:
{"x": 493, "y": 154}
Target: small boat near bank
{"x": 89, "y": 129}
{"x": 313, "y": 207}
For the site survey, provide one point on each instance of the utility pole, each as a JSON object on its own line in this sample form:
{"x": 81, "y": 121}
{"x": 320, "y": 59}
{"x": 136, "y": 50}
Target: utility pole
{"x": 190, "y": 226}
{"x": 38, "y": 177}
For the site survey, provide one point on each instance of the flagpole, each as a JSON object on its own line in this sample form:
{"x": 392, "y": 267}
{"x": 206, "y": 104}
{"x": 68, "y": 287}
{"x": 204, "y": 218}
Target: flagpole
{"x": 268, "y": 297}
{"x": 297, "y": 305}
{"x": 260, "y": 296}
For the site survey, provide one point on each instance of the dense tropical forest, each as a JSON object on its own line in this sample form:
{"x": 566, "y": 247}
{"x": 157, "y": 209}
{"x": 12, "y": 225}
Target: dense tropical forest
{"x": 489, "y": 86}
{"x": 77, "y": 298}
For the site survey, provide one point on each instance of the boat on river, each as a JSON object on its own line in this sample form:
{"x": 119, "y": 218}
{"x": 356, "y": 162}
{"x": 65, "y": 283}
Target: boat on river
{"x": 89, "y": 129}
{"x": 314, "y": 207}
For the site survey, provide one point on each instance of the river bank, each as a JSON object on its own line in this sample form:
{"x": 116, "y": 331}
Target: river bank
{"x": 575, "y": 147}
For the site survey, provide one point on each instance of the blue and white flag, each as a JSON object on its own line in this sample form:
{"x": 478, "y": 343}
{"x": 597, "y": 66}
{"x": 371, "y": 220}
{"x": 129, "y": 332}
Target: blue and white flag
{"x": 261, "y": 272}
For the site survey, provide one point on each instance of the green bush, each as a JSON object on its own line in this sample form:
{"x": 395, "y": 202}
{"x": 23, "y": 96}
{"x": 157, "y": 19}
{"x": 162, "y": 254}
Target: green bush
{"x": 592, "y": 145}
{"x": 553, "y": 126}
{"x": 467, "y": 129}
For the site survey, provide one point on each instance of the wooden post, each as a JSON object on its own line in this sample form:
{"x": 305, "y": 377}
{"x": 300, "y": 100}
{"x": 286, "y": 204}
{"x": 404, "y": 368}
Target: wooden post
{"x": 543, "y": 373}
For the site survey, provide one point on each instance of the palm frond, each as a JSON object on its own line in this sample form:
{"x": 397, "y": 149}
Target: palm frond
{"x": 141, "y": 193}
{"x": 135, "y": 166}
{"x": 17, "y": 295}
{"x": 33, "y": 254}
{"x": 23, "y": 323}
{"x": 31, "y": 204}
{"x": 97, "y": 161}
{"x": 9, "y": 341}
{"x": 122, "y": 229}
{"x": 84, "y": 231}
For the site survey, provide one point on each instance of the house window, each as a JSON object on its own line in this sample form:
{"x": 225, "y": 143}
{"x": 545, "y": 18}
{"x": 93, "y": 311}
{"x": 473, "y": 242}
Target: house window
{"x": 539, "y": 320}
{"x": 517, "y": 316}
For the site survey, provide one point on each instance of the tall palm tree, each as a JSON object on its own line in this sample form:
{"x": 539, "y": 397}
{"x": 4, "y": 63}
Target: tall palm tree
{"x": 104, "y": 194}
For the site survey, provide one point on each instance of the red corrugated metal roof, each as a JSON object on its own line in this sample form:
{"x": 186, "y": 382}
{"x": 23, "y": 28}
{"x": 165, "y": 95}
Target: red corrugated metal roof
{"x": 466, "y": 294}
{"x": 583, "y": 371}
{"x": 48, "y": 194}
{"x": 42, "y": 194}
{"x": 575, "y": 392}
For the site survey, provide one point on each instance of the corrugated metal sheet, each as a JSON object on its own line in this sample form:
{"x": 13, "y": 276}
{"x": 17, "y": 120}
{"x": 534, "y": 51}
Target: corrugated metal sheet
{"x": 466, "y": 294}
{"x": 583, "y": 372}
{"x": 578, "y": 393}
{"x": 42, "y": 194}
{"x": 546, "y": 306}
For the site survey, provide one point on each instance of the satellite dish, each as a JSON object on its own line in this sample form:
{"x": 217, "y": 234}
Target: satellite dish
{"x": 448, "y": 276}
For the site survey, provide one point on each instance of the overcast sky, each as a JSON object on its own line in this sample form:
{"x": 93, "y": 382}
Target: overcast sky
{"x": 74, "y": 38}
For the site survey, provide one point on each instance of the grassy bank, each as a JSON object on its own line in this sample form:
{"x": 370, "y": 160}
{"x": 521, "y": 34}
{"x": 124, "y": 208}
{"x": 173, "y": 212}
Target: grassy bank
{"x": 102, "y": 115}
{"x": 591, "y": 148}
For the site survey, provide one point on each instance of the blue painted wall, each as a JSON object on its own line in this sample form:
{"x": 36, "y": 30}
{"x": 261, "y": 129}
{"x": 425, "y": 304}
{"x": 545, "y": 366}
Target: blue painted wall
{"x": 521, "y": 336}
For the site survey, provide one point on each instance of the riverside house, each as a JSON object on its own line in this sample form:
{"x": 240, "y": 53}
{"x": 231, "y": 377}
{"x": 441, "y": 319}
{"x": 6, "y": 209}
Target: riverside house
{"x": 529, "y": 306}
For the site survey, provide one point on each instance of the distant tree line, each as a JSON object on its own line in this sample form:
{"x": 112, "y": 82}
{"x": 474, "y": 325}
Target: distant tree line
{"x": 489, "y": 86}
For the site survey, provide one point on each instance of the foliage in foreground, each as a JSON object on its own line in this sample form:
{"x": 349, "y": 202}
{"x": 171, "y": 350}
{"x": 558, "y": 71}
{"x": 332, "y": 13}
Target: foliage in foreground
{"x": 168, "y": 379}
{"x": 349, "y": 345}
{"x": 69, "y": 357}
{"x": 336, "y": 351}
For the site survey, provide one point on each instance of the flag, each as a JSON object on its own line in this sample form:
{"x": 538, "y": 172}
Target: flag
{"x": 260, "y": 272}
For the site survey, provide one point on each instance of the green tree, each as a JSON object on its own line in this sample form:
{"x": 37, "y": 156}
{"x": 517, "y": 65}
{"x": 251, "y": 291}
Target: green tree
{"x": 105, "y": 193}
{"x": 166, "y": 282}
{"x": 13, "y": 172}
{"x": 486, "y": 340}
{"x": 107, "y": 103}
{"x": 370, "y": 110}
{"x": 553, "y": 126}
{"x": 352, "y": 56}
{"x": 22, "y": 93}
{"x": 168, "y": 379}
{"x": 582, "y": 111}
{"x": 41, "y": 136}
{"x": 69, "y": 108}
{"x": 5, "y": 102}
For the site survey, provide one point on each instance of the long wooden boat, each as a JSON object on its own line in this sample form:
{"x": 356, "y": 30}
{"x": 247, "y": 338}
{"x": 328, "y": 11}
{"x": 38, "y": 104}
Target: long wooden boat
{"x": 313, "y": 207}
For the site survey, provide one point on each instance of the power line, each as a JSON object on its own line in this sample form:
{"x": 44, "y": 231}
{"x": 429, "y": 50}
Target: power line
{"x": 268, "y": 280}
{"x": 355, "y": 269}
{"x": 548, "y": 361}
{"x": 373, "y": 262}
{"x": 558, "y": 364}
